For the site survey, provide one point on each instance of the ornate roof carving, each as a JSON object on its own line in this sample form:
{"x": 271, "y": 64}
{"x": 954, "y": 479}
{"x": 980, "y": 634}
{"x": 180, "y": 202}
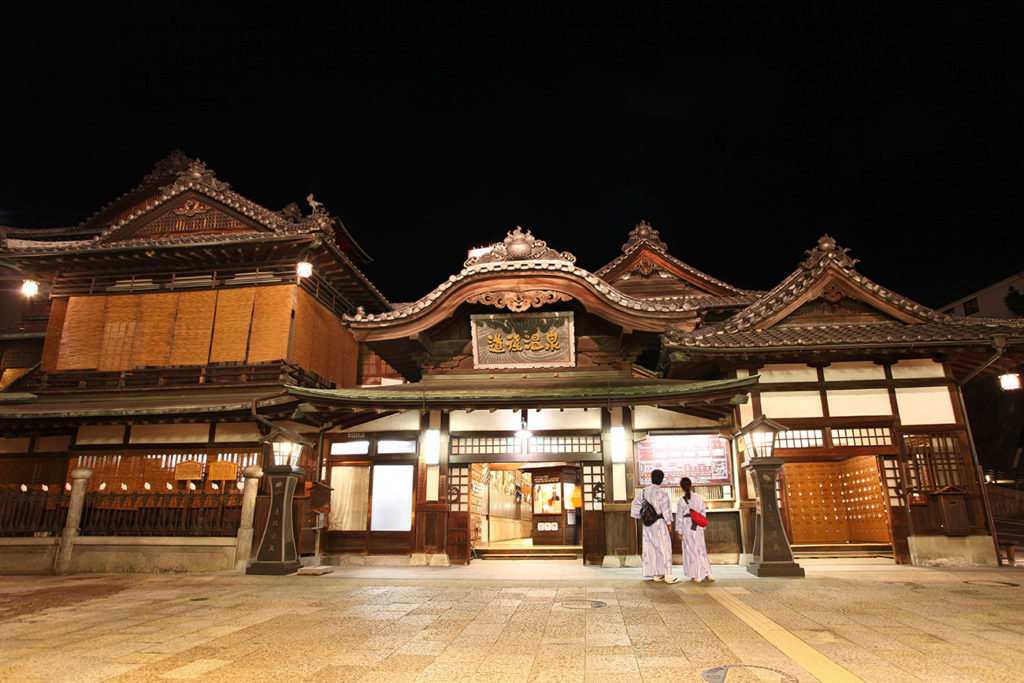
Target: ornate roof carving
{"x": 645, "y": 237}
{"x": 518, "y": 302}
{"x": 644, "y": 233}
{"x": 519, "y": 246}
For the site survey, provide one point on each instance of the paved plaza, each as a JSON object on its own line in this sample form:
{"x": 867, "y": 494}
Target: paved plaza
{"x": 516, "y": 621}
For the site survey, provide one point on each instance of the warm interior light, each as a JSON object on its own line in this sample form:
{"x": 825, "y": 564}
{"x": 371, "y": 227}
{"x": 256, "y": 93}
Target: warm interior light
{"x": 432, "y": 447}
{"x": 286, "y": 452}
{"x": 1010, "y": 381}
{"x": 618, "y": 436}
{"x": 524, "y": 433}
{"x": 29, "y": 287}
{"x": 304, "y": 269}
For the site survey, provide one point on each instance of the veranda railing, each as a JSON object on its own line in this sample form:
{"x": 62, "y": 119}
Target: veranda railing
{"x": 161, "y": 514}
{"x": 32, "y": 513}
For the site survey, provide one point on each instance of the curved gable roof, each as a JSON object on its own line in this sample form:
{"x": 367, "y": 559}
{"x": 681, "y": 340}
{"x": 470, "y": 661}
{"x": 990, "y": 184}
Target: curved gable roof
{"x": 826, "y": 303}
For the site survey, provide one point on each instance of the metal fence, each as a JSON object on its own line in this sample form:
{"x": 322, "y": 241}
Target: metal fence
{"x": 32, "y": 513}
{"x": 161, "y": 514}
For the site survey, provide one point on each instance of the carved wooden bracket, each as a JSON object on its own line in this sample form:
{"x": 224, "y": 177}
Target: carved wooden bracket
{"x": 517, "y": 302}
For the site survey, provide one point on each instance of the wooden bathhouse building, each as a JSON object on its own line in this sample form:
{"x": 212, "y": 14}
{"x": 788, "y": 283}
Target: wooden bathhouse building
{"x": 515, "y": 407}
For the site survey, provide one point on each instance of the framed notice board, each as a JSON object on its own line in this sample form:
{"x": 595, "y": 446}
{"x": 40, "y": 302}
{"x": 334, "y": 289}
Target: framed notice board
{"x": 704, "y": 458}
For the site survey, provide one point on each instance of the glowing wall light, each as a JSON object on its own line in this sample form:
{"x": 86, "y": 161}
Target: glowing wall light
{"x": 432, "y": 447}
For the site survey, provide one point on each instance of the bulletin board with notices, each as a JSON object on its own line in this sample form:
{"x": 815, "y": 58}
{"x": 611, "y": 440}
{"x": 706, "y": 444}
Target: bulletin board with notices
{"x": 704, "y": 458}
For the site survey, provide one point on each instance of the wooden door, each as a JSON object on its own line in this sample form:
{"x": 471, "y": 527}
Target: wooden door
{"x": 899, "y": 529}
{"x": 457, "y": 529}
{"x": 815, "y": 503}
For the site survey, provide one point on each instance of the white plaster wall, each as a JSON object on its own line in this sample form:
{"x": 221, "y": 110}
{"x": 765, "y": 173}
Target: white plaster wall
{"x": 917, "y": 368}
{"x": 925, "y": 405}
{"x": 483, "y": 421}
{"x": 791, "y": 404}
{"x": 236, "y": 431}
{"x": 570, "y": 418}
{"x": 790, "y": 372}
{"x": 646, "y": 417}
{"x": 856, "y": 402}
{"x": 399, "y": 422}
{"x": 191, "y": 433}
{"x": 844, "y": 372}
{"x": 95, "y": 435}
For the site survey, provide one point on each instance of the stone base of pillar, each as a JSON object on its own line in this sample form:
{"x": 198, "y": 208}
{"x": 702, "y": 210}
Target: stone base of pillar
{"x": 273, "y": 568}
{"x": 775, "y": 569}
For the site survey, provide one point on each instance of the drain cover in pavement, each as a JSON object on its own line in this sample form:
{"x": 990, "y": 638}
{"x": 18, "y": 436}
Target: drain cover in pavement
{"x": 717, "y": 674}
{"x": 1006, "y": 584}
{"x": 582, "y": 604}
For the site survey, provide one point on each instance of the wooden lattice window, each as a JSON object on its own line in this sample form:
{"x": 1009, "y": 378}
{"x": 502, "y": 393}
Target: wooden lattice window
{"x": 565, "y": 444}
{"x": 593, "y": 487}
{"x": 862, "y": 436}
{"x": 458, "y": 489}
{"x": 800, "y": 438}
{"x": 935, "y": 461}
{"x": 485, "y": 445}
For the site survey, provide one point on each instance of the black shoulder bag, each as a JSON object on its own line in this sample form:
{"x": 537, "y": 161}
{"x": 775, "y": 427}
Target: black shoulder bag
{"x": 648, "y": 515}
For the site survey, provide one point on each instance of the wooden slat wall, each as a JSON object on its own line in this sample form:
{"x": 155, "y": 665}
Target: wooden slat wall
{"x": 54, "y": 332}
{"x": 271, "y": 320}
{"x": 83, "y": 328}
{"x": 193, "y": 328}
{"x": 119, "y": 332}
{"x": 316, "y": 329}
{"x": 157, "y": 314}
{"x": 231, "y": 325}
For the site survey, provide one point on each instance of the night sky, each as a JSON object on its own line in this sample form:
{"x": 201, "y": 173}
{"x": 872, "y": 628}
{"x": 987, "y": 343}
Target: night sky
{"x": 741, "y": 133}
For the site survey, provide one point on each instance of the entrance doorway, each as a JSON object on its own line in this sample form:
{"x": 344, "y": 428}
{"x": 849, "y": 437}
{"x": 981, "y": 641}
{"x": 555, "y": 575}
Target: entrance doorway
{"x": 522, "y": 511}
{"x": 837, "y": 507}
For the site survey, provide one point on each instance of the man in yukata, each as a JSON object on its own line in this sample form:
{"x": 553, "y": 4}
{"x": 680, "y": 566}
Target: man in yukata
{"x": 657, "y": 541}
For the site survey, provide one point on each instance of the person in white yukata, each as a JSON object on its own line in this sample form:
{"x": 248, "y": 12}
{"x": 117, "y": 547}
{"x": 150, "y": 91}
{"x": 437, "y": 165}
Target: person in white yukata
{"x": 657, "y": 539}
{"x": 695, "y": 551}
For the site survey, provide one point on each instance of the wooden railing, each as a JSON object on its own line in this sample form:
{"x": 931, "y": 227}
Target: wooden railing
{"x": 170, "y": 377}
{"x": 161, "y": 514}
{"x": 32, "y": 513}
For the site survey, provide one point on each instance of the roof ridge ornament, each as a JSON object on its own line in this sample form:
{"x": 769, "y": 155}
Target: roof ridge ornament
{"x": 174, "y": 163}
{"x": 644, "y": 232}
{"x": 195, "y": 174}
{"x": 827, "y": 249}
{"x": 518, "y": 246}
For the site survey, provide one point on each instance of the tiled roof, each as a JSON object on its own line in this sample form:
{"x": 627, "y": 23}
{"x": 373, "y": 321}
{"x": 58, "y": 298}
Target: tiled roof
{"x": 746, "y": 329}
{"x": 511, "y": 392}
{"x": 645, "y": 236}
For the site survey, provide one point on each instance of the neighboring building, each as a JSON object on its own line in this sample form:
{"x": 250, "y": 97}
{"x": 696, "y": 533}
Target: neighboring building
{"x": 524, "y": 397}
{"x": 989, "y": 302}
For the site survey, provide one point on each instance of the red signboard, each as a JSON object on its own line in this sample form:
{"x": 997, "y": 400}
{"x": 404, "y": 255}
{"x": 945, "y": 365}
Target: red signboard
{"x": 704, "y": 458}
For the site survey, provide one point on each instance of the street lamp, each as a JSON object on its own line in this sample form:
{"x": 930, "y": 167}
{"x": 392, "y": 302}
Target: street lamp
{"x": 772, "y": 555}
{"x": 1010, "y": 381}
{"x": 278, "y": 553}
{"x": 304, "y": 268}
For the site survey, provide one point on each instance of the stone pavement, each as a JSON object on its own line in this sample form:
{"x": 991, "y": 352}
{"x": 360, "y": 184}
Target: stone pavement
{"x": 513, "y": 621}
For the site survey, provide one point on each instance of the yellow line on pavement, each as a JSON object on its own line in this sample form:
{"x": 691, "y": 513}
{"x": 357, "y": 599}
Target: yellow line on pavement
{"x": 815, "y": 663}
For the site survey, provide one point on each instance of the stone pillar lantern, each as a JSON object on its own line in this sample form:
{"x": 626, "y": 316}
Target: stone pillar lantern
{"x": 772, "y": 553}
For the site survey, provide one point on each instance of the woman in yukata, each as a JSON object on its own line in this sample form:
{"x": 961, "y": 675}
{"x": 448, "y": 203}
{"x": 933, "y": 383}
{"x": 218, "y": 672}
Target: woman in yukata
{"x": 695, "y": 552}
{"x": 657, "y": 539}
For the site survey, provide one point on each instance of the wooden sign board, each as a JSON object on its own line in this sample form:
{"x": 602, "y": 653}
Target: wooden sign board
{"x": 223, "y": 470}
{"x": 523, "y": 340}
{"x": 704, "y": 458}
{"x": 189, "y": 470}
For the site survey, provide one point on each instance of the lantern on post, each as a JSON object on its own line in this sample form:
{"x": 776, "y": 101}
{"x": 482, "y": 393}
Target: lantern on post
{"x": 772, "y": 554}
{"x": 278, "y": 553}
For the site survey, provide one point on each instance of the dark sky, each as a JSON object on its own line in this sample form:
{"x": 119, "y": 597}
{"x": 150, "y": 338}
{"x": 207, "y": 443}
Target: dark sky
{"x": 741, "y": 133}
